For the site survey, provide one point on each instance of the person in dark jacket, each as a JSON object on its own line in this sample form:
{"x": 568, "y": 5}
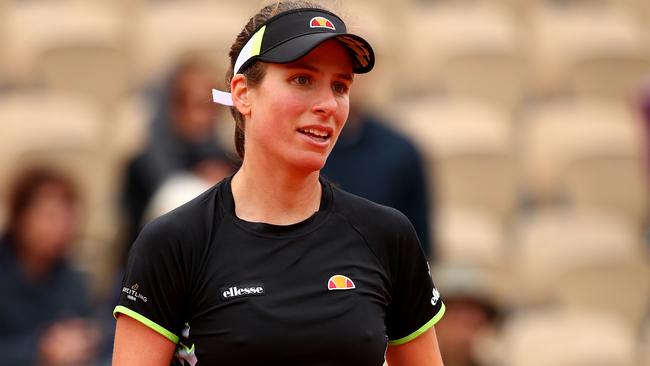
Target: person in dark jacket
{"x": 182, "y": 139}
{"x": 45, "y": 311}
{"x": 375, "y": 162}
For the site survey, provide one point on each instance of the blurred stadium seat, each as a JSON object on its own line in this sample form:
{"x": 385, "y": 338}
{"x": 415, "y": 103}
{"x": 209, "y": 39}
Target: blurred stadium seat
{"x": 615, "y": 184}
{"x": 506, "y": 83}
{"x": 621, "y": 288}
{"x": 162, "y": 33}
{"x": 98, "y": 71}
{"x": 31, "y": 29}
{"x": 608, "y": 77}
{"x": 467, "y": 144}
{"x": 3, "y": 41}
{"x": 563, "y": 36}
{"x": 482, "y": 180}
{"x": 129, "y": 130}
{"x": 568, "y": 337}
{"x": 556, "y": 133}
{"x": 552, "y": 244}
{"x": 440, "y": 33}
{"x": 482, "y": 246}
{"x": 376, "y": 24}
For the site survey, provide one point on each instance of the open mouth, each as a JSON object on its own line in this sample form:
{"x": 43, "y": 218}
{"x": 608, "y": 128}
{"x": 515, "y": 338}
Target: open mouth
{"x": 318, "y": 135}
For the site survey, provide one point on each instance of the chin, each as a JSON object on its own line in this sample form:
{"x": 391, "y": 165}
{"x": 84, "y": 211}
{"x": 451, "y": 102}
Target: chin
{"x": 310, "y": 162}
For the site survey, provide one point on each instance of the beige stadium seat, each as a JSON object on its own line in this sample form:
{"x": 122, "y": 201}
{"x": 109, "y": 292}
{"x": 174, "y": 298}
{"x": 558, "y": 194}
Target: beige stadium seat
{"x": 166, "y": 30}
{"x": 47, "y": 125}
{"x": 498, "y": 77}
{"x": 439, "y": 34}
{"x": 444, "y": 126}
{"x": 471, "y": 241}
{"x": 470, "y": 237}
{"x": 34, "y": 26}
{"x": 552, "y": 244}
{"x": 567, "y": 337}
{"x": 619, "y": 288}
{"x": 381, "y": 26}
{"x": 616, "y": 184}
{"x": 467, "y": 144}
{"x": 99, "y": 71}
{"x": 3, "y": 41}
{"x": 609, "y": 77}
{"x": 484, "y": 181}
{"x": 645, "y": 343}
{"x": 563, "y": 36}
{"x": 556, "y": 133}
{"x": 44, "y": 119}
{"x": 130, "y": 130}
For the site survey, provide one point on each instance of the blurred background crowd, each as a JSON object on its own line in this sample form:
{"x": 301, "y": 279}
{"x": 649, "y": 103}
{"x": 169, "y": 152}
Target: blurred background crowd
{"x": 513, "y": 133}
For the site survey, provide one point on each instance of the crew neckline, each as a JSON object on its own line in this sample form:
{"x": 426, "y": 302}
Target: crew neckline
{"x": 278, "y": 231}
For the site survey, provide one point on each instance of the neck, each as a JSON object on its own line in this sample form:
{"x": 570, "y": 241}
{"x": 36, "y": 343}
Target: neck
{"x": 275, "y": 196}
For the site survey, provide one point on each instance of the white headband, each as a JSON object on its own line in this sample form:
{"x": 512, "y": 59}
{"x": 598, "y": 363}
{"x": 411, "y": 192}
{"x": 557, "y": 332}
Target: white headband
{"x": 250, "y": 50}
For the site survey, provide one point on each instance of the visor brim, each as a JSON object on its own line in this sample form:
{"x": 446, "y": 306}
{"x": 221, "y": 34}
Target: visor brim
{"x": 361, "y": 53}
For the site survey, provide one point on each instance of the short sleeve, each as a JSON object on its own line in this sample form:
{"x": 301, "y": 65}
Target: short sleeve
{"x": 154, "y": 286}
{"x": 416, "y": 304}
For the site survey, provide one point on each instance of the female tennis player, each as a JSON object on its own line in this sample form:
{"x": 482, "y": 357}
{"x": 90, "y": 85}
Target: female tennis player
{"x": 274, "y": 265}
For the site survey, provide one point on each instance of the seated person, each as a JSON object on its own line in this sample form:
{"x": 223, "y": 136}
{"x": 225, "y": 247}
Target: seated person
{"x": 45, "y": 311}
{"x": 182, "y": 139}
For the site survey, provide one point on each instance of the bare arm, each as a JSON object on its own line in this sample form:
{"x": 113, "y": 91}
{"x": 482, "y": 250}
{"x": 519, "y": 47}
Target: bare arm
{"x": 138, "y": 345}
{"x": 422, "y": 351}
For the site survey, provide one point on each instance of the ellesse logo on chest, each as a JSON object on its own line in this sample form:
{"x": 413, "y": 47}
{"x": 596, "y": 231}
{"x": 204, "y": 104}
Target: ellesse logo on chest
{"x": 235, "y": 291}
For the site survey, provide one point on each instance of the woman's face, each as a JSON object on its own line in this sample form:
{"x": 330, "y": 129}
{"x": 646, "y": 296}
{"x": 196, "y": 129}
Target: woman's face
{"x": 299, "y": 109}
{"x": 48, "y": 225}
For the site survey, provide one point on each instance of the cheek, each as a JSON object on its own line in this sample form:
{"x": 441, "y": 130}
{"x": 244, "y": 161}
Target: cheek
{"x": 342, "y": 114}
{"x": 288, "y": 104}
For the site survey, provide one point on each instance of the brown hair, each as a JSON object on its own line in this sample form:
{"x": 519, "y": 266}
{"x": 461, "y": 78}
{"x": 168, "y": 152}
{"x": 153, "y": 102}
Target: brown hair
{"x": 255, "y": 72}
{"x": 25, "y": 189}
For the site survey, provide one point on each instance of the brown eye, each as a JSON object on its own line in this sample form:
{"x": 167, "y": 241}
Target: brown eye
{"x": 302, "y": 80}
{"x": 340, "y": 88}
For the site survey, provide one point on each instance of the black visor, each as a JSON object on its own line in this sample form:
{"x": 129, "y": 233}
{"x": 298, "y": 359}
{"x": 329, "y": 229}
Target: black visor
{"x": 289, "y": 36}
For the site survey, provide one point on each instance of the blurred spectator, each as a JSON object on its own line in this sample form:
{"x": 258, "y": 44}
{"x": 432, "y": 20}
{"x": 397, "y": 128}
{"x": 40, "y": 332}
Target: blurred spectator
{"x": 375, "y": 162}
{"x": 182, "y": 139}
{"x": 471, "y": 317}
{"x": 44, "y": 317}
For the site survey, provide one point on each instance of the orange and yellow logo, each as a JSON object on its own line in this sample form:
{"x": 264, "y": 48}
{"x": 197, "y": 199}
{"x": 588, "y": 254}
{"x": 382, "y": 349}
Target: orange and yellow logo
{"x": 320, "y": 22}
{"x": 340, "y": 282}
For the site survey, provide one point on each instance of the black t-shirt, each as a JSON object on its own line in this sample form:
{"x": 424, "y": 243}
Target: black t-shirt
{"x": 334, "y": 289}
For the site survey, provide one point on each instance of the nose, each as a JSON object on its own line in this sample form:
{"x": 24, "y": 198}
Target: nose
{"x": 326, "y": 103}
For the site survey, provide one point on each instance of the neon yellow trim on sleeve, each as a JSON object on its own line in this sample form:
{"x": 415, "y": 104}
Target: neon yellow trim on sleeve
{"x": 422, "y": 329}
{"x": 144, "y": 320}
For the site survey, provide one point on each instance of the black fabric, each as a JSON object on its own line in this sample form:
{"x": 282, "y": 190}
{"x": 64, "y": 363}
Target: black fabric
{"x": 295, "y": 23}
{"x": 288, "y": 36}
{"x": 183, "y": 262}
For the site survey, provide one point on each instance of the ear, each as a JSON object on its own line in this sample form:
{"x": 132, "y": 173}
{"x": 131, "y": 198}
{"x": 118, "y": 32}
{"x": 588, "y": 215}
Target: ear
{"x": 239, "y": 90}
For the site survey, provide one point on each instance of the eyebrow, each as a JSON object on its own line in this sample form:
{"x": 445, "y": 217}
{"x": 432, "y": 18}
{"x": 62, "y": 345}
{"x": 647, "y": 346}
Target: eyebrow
{"x": 299, "y": 65}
